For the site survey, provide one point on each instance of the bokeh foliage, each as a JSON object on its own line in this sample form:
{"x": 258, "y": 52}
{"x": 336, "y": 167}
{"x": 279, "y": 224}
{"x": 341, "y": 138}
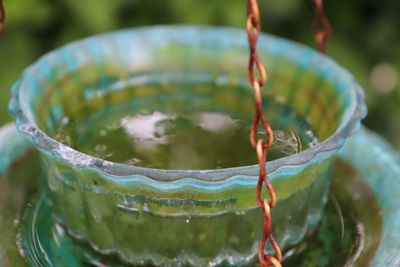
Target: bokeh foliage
{"x": 366, "y": 33}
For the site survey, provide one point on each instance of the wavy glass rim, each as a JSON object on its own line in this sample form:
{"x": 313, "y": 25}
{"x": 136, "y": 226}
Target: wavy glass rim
{"x": 349, "y": 124}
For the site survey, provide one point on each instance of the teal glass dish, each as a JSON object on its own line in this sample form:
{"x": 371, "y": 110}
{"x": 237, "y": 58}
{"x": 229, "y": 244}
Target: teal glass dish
{"x": 181, "y": 217}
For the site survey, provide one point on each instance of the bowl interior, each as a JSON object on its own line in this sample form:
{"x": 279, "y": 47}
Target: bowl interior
{"x": 179, "y": 69}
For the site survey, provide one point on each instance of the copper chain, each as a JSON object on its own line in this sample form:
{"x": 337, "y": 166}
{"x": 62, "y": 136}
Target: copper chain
{"x": 257, "y": 81}
{"x": 321, "y": 27}
{"x": 2, "y": 16}
{"x": 322, "y": 30}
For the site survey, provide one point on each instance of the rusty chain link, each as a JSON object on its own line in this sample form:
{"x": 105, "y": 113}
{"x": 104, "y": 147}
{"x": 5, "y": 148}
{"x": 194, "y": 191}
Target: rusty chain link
{"x": 257, "y": 81}
{"x": 2, "y": 17}
{"x": 321, "y": 27}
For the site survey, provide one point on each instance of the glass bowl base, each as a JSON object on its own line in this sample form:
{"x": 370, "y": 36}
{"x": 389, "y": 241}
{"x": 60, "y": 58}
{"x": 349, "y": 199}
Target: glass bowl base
{"x": 339, "y": 240}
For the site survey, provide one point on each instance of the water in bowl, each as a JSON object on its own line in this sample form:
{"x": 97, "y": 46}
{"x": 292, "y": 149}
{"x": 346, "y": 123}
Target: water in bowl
{"x": 181, "y": 133}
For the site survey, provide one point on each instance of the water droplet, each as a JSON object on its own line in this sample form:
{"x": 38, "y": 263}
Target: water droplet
{"x": 103, "y": 132}
{"x": 145, "y": 207}
{"x": 65, "y": 120}
{"x": 100, "y": 148}
{"x": 59, "y": 229}
{"x": 202, "y": 236}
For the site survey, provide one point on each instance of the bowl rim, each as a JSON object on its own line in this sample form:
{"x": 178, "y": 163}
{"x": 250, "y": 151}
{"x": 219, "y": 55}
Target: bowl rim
{"x": 350, "y": 123}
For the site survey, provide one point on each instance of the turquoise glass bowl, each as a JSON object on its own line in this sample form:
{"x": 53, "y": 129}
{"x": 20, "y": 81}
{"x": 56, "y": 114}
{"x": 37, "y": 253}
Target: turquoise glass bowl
{"x": 180, "y": 217}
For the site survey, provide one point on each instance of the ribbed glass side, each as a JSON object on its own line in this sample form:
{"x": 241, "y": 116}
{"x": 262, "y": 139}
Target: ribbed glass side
{"x": 145, "y": 223}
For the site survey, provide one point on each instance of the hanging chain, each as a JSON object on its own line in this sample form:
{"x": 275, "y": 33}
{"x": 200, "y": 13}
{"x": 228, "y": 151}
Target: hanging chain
{"x": 257, "y": 81}
{"x": 2, "y": 17}
{"x": 321, "y": 27}
{"x": 322, "y": 30}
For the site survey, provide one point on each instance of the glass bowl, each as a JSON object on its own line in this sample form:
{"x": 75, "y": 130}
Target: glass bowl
{"x": 180, "y": 217}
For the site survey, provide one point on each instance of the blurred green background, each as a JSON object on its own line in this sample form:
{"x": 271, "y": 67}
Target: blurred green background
{"x": 366, "y": 37}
